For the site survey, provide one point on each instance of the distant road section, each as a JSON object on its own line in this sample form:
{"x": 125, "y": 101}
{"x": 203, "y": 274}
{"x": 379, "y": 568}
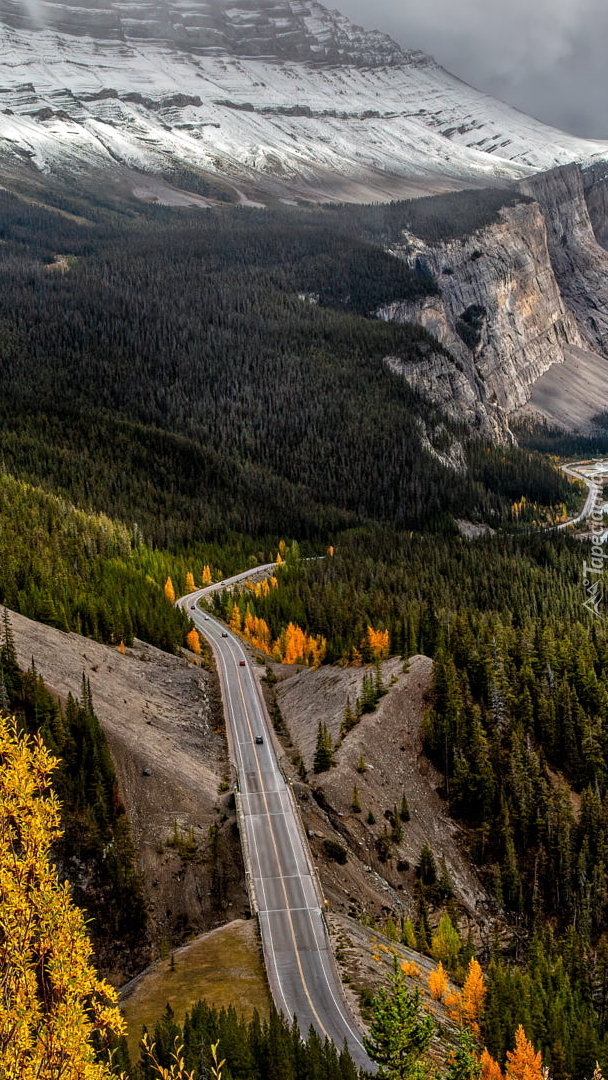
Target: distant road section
{"x": 301, "y": 969}
{"x": 588, "y": 476}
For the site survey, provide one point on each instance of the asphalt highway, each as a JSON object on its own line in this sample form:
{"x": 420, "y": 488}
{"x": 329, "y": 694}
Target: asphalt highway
{"x": 593, "y": 494}
{"x": 300, "y": 966}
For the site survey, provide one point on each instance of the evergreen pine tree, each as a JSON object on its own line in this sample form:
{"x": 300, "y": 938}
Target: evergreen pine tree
{"x": 400, "y": 1031}
{"x": 324, "y": 756}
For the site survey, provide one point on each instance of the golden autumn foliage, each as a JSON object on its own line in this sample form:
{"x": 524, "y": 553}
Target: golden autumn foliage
{"x": 438, "y": 982}
{"x": 51, "y": 999}
{"x": 177, "y": 1069}
{"x": 260, "y": 588}
{"x": 257, "y": 632}
{"x": 378, "y": 642}
{"x": 523, "y": 1062}
{"x": 293, "y": 646}
{"x": 190, "y": 586}
{"x": 473, "y": 995}
{"x": 490, "y": 1069}
{"x": 411, "y": 969}
{"x": 169, "y": 591}
{"x": 207, "y": 579}
{"x": 194, "y": 642}
{"x": 466, "y": 1006}
{"x": 297, "y": 647}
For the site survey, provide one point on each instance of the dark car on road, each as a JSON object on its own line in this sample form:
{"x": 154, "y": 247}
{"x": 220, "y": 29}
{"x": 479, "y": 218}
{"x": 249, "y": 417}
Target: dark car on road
{"x": 259, "y": 739}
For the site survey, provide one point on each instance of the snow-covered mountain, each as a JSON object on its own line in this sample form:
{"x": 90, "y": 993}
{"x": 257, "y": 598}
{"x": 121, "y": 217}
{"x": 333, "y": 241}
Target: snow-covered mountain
{"x": 278, "y": 97}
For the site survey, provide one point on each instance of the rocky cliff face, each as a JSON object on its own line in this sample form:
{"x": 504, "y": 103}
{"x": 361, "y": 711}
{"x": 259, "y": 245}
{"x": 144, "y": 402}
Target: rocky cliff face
{"x": 595, "y": 180}
{"x": 500, "y": 313}
{"x": 579, "y": 262}
{"x": 281, "y": 29}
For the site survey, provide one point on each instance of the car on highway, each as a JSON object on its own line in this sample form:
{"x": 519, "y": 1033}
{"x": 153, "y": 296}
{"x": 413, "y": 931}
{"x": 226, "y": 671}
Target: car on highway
{"x": 259, "y": 740}
{"x": 241, "y": 663}
{"x": 206, "y": 618}
{"x": 224, "y": 633}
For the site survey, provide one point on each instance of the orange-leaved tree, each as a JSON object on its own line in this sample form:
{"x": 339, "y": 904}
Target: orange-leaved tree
{"x": 207, "y": 579}
{"x": 52, "y": 1003}
{"x": 490, "y": 1069}
{"x": 169, "y": 591}
{"x": 194, "y": 642}
{"x": 473, "y": 995}
{"x": 190, "y": 586}
{"x": 524, "y": 1062}
{"x": 378, "y": 642}
{"x": 466, "y": 1005}
{"x": 438, "y": 982}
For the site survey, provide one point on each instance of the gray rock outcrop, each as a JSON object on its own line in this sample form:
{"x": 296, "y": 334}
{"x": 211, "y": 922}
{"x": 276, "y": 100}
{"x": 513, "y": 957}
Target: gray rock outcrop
{"x": 282, "y": 29}
{"x": 500, "y": 313}
{"x": 579, "y": 262}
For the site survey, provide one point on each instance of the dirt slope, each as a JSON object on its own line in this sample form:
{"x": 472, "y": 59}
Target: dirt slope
{"x": 160, "y": 718}
{"x": 389, "y": 740}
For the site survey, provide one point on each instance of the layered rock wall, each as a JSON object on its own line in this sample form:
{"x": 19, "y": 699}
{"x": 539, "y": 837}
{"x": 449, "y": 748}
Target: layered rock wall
{"x": 579, "y": 262}
{"x": 500, "y": 313}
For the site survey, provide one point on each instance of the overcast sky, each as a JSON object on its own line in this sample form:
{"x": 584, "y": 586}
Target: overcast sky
{"x": 547, "y": 57}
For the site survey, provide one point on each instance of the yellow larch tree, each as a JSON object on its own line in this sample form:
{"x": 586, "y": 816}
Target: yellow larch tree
{"x": 257, "y": 632}
{"x": 169, "y": 591}
{"x": 234, "y": 621}
{"x": 194, "y": 642}
{"x": 295, "y": 645}
{"x": 438, "y": 982}
{"x": 466, "y": 1005}
{"x": 190, "y": 586}
{"x": 473, "y": 995}
{"x": 316, "y": 647}
{"x": 490, "y": 1069}
{"x": 207, "y": 579}
{"x": 52, "y": 1003}
{"x": 378, "y": 642}
{"x": 524, "y": 1062}
{"x": 410, "y": 969}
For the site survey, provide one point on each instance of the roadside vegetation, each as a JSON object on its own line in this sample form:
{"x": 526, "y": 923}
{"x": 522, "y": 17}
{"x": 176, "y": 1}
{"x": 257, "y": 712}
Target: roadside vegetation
{"x": 187, "y": 390}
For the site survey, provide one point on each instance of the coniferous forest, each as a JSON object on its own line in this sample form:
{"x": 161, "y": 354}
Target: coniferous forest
{"x": 181, "y": 389}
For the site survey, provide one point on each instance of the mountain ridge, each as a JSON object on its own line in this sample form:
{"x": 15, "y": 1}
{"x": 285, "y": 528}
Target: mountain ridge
{"x": 289, "y": 99}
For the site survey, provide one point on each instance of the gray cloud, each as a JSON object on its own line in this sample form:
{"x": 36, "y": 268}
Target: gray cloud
{"x": 544, "y": 56}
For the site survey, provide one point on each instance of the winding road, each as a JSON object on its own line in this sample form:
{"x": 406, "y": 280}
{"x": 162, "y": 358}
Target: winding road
{"x": 282, "y": 883}
{"x": 593, "y": 494}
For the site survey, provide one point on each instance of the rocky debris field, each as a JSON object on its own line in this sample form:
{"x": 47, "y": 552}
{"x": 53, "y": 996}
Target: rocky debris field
{"x": 162, "y": 718}
{"x": 382, "y": 757}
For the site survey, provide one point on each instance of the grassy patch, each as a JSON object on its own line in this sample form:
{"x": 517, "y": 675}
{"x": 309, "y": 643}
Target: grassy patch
{"x": 224, "y": 967}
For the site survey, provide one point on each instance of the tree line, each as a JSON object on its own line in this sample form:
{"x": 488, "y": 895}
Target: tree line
{"x": 95, "y": 831}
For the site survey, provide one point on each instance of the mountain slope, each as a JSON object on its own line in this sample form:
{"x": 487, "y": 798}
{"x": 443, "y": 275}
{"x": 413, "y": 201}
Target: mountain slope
{"x": 288, "y": 97}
